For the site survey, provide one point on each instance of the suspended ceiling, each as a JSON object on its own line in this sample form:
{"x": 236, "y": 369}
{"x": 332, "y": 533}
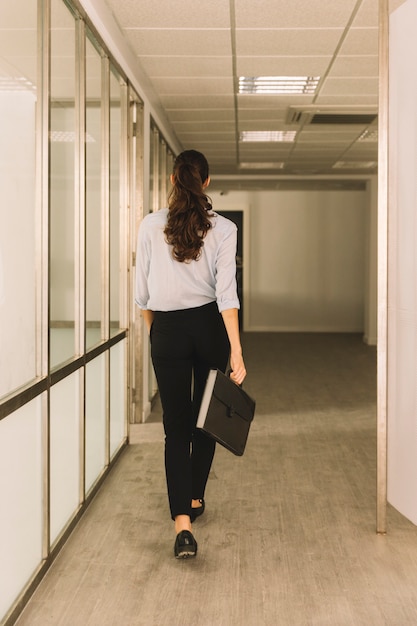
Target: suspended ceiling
{"x": 194, "y": 52}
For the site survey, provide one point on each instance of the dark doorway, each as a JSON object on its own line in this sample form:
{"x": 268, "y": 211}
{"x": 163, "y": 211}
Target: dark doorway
{"x": 237, "y": 218}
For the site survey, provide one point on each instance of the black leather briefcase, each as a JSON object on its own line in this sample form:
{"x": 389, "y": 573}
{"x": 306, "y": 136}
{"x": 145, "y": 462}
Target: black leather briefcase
{"x": 226, "y": 412}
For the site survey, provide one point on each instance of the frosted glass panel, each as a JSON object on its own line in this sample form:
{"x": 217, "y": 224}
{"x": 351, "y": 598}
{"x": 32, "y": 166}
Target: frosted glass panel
{"x": 95, "y": 407}
{"x": 65, "y": 452}
{"x": 93, "y": 196}
{"x": 117, "y": 396}
{"x": 18, "y": 98}
{"x": 115, "y": 134}
{"x": 21, "y": 500}
{"x": 62, "y": 168}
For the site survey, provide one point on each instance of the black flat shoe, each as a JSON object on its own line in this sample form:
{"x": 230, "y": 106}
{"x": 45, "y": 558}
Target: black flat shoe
{"x": 185, "y": 545}
{"x": 197, "y": 511}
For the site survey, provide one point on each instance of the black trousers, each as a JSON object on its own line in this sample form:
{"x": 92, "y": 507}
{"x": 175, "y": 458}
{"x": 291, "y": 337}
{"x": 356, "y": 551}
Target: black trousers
{"x": 184, "y": 346}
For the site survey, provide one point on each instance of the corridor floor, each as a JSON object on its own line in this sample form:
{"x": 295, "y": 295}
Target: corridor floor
{"x": 288, "y": 537}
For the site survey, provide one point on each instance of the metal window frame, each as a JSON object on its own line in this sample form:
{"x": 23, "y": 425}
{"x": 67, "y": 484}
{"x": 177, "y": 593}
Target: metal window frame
{"x": 136, "y": 206}
{"x": 46, "y": 378}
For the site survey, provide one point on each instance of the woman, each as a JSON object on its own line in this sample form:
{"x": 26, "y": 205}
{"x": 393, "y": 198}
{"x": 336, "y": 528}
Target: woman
{"x": 186, "y": 289}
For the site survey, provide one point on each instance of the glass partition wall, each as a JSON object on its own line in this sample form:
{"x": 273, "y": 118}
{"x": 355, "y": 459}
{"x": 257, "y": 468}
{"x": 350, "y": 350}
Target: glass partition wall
{"x": 71, "y": 155}
{"x": 160, "y": 167}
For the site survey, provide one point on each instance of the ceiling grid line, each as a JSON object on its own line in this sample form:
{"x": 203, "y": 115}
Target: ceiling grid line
{"x": 338, "y": 48}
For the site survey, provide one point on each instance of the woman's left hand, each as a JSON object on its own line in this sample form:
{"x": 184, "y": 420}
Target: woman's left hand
{"x": 237, "y": 365}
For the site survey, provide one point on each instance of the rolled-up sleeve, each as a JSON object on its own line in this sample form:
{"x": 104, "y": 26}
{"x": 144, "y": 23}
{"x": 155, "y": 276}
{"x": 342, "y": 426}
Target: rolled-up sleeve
{"x": 142, "y": 268}
{"x": 226, "y": 287}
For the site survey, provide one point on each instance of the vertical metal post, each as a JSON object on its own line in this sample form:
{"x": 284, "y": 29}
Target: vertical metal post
{"x": 105, "y": 199}
{"x": 42, "y": 253}
{"x": 42, "y": 182}
{"x": 382, "y": 364}
{"x": 124, "y": 230}
{"x": 124, "y": 207}
{"x": 162, "y": 173}
{"x": 155, "y": 180}
{"x": 79, "y": 183}
{"x": 125, "y": 197}
{"x": 137, "y": 204}
{"x": 105, "y": 238}
{"x": 80, "y": 233}
{"x": 130, "y": 348}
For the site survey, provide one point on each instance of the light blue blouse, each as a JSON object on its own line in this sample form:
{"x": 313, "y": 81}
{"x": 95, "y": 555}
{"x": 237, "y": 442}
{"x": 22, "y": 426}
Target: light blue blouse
{"x": 164, "y": 284}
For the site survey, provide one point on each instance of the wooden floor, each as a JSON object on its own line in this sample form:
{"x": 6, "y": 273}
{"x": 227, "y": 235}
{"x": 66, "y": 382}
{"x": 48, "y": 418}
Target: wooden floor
{"x": 288, "y": 537}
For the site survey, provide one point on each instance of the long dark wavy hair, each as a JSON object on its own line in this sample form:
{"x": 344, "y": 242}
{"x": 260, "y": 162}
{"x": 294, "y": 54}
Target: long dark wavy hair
{"x": 189, "y": 207}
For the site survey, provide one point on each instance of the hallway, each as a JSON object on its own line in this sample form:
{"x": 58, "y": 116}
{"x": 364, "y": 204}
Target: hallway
{"x": 288, "y": 537}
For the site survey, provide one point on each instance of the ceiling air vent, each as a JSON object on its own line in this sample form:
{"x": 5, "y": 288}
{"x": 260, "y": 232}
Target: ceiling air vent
{"x": 339, "y": 119}
{"x": 311, "y": 114}
{"x": 294, "y": 116}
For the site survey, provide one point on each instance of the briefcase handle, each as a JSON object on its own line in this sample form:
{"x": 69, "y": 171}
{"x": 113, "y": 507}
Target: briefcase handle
{"x": 228, "y": 372}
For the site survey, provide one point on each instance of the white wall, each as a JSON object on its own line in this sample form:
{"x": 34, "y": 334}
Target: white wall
{"x": 402, "y": 263}
{"x": 306, "y": 259}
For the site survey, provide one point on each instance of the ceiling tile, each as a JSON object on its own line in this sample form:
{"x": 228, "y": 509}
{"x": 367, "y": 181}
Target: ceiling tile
{"x": 269, "y": 102}
{"x": 327, "y": 136}
{"x": 187, "y": 66}
{"x": 349, "y": 86}
{"x": 269, "y": 152}
{"x": 363, "y": 150}
{"x": 323, "y": 149}
{"x": 13, "y": 44}
{"x": 191, "y": 102}
{"x": 272, "y": 114}
{"x": 193, "y": 86}
{"x": 367, "y": 14}
{"x": 284, "y": 14}
{"x": 18, "y": 15}
{"x": 225, "y": 143}
{"x": 355, "y": 66}
{"x": 168, "y": 14}
{"x": 282, "y": 65}
{"x": 262, "y": 125}
{"x": 360, "y": 41}
{"x": 200, "y": 115}
{"x": 291, "y": 42}
{"x": 179, "y": 42}
{"x": 206, "y": 126}
{"x": 346, "y": 100}
{"x": 209, "y": 137}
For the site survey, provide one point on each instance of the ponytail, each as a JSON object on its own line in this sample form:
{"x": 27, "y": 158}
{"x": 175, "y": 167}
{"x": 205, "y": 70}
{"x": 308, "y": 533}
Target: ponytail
{"x": 188, "y": 215}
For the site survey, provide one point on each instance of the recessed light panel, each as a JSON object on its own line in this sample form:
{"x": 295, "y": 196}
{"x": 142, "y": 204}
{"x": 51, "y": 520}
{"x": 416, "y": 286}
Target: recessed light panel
{"x": 268, "y": 135}
{"x": 354, "y": 165}
{"x": 276, "y": 85}
{"x": 13, "y": 84}
{"x": 369, "y": 136}
{"x": 271, "y": 165}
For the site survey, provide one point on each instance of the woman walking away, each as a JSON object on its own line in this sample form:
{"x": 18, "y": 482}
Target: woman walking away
{"x": 186, "y": 290}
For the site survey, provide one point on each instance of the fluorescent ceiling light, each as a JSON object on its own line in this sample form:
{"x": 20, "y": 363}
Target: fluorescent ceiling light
{"x": 268, "y": 135}
{"x": 369, "y": 135}
{"x": 276, "y": 165}
{"x": 353, "y": 165}
{"x": 275, "y": 85}
{"x": 18, "y": 83}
